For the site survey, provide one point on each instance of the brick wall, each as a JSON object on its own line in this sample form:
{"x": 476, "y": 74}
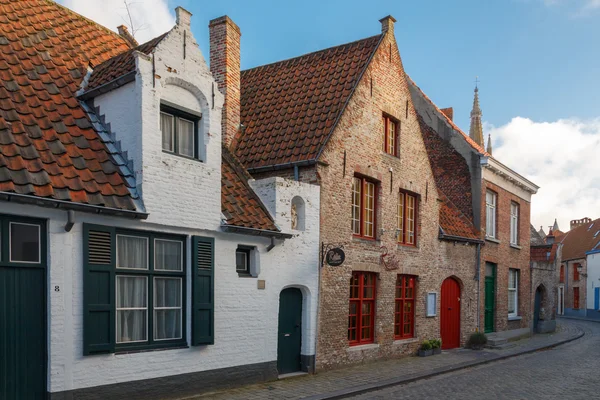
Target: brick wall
{"x": 570, "y": 283}
{"x": 383, "y": 89}
{"x": 505, "y": 256}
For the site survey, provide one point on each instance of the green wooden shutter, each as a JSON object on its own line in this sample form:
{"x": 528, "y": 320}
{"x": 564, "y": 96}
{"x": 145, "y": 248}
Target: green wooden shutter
{"x": 98, "y": 289}
{"x": 203, "y": 293}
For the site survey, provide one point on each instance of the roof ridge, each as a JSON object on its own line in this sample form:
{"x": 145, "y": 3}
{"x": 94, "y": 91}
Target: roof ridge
{"x": 311, "y": 53}
{"x": 51, "y": 2}
{"x": 470, "y": 141}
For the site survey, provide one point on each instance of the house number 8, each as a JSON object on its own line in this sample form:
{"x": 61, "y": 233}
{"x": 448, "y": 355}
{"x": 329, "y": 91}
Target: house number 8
{"x": 57, "y": 288}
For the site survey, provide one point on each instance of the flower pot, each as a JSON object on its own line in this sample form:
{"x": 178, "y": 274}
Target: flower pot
{"x": 425, "y": 353}
{"x": 437, "y": 351}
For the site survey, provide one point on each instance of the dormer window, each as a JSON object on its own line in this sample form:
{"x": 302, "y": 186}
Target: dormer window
{"x": 179, "y": 131}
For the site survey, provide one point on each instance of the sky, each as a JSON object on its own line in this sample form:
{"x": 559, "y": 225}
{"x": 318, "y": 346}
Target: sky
{"x": 537, "y": 62}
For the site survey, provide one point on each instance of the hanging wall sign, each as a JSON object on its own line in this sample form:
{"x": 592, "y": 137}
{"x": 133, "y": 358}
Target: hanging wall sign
{"x": 335, "y": 257}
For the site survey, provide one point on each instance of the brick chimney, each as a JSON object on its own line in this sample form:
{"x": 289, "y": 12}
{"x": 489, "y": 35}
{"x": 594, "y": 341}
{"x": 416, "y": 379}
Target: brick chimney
{"x": 225, "y": 67}
{"x": 125, "y": 34}
{"x": 577, "y": 222}
{"x": 387, "y": 24}
{"x": 448, "y": 112}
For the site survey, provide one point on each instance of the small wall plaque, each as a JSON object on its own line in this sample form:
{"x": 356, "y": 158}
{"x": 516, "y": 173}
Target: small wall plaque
{"x": 261, "y": 283}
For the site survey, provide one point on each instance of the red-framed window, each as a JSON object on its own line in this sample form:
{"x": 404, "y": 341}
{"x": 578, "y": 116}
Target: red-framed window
{"x": 390, "y": 135}
{"x": 576, "y": 272}
{"x": 361, "y": 316}
{"x": 364, "y": 204}
{"x": 562, "y": 274}
{"x": 575, "y": 297}
{"x": 407, "y": 218}
{"x": 404, "y": 313}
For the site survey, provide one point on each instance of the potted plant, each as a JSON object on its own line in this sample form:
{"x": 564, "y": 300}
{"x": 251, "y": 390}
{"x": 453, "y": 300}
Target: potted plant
{"x": 436, "y": 345}
{"x": 425, "y": 349}
{"x": 477, "y": 340}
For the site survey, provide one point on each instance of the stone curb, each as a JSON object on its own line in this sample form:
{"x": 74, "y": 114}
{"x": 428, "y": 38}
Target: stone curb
{"x": 356, "y": 390}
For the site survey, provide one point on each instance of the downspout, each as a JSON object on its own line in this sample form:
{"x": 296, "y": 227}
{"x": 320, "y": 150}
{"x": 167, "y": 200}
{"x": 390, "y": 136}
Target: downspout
{"x": 477, "y": 278}
{"x": 314, "y": 367}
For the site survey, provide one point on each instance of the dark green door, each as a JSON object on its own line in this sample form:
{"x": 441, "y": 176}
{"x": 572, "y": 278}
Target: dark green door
{"x": 22, "y": 309}
{"x": 290, "y": 331}
{"x": 490, "y": 297}
{"x": 22, "y": 333}
{"x": 536, "y": 308}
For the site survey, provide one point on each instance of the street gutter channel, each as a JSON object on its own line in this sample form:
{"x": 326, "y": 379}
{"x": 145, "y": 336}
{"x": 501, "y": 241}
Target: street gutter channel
{"x": 356, "y": 390}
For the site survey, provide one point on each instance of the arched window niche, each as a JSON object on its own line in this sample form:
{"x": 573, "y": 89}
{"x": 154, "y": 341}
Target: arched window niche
{"x": 298, "y": 213}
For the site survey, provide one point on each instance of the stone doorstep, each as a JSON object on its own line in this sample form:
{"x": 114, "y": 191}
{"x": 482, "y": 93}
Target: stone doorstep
{"x": 501, "y": 338}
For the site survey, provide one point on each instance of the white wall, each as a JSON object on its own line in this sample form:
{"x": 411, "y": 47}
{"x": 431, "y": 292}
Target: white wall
{"x": 175, "y": 190}
{"x": 593, "y": 278}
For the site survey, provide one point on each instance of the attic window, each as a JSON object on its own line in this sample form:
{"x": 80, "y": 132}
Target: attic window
{"x": 179, "y": 132}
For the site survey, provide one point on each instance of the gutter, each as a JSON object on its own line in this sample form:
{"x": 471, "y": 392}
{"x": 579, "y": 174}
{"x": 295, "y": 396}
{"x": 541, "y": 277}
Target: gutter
{"x": 68, "y": 205}
{"x": 108, "y": 86}
{"x": 276, "y": 167}
{"x": 256, "y": 232}
{"x": 443, "y": 236}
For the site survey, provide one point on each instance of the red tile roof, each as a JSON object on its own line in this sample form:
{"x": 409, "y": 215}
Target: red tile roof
{"x": 240, "y": 205}
{"x": 290, "y": 108}
{"x": 453, "y": 222}
{"x": 543, "y": 252}
{"x": 48, "y": 145}
{"x": 580, "y": 240}
{"x": 120, "y": 64}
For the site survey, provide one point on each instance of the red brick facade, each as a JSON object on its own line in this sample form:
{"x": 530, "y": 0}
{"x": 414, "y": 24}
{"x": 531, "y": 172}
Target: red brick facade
{"x": 506, "y": 256}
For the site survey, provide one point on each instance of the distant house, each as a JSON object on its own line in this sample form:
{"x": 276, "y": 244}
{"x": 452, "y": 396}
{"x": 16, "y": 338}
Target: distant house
{"x": 545, "y": 267}
{"x": 138, "y": 259}
{"x": 579, "y": 277}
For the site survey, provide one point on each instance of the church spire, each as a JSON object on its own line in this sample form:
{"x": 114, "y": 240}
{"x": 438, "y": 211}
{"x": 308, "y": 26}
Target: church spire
{"x": 476, "y": 130}
{"x": 489, "y": 146}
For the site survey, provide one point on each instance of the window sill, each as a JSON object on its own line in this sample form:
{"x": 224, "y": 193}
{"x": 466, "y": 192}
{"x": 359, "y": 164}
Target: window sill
{"x": 359, "y": 347}
{"x": 399, "y": 342}
{"x": 364, "y": 239}
{"x": 515, "y": 318}
{"x": 515, "y": 246}
{"x": 182, "y": 156}
{"x": 246, "y": 275}
{"x": 385, "y": 153}
{"x": 134, "y": 351}
{"x": 491, "y": 239}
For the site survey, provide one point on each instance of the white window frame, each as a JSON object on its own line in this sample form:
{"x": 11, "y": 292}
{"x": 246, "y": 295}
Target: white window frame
{"x": 514, "y": 291}
{"x": 117, "y": 309}
{"x": 490, "y": 214}
{"x": 180, "y": 261}
{"x": 431, "y": 302}
{"x": 39, "y": 230}
{"x": 514, "y": 223}
{"x": 155, "y": 308}
{"x": 179, "y": 152}
{"x": 147, "y": 253}
{"x": 247, "y": 252}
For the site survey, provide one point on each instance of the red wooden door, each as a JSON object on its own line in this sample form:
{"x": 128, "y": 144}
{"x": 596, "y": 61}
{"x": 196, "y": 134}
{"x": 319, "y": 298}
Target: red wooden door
{"x": 450, "y": 314}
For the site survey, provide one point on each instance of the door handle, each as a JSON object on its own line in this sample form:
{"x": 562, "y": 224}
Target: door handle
{"x": 287, "y": 334}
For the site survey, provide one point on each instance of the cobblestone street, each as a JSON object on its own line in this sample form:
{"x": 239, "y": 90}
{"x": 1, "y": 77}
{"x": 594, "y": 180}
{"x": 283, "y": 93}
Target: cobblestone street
{"x": 539, "y": 374}
{"x": 565, "y": 372}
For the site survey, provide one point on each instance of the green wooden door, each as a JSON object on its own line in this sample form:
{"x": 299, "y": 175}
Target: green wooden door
{"x": 22, "y": 333}
{"x": 490, "y": 289}
{"x": 289, "y": 341}
{"x": 22, "y": 308}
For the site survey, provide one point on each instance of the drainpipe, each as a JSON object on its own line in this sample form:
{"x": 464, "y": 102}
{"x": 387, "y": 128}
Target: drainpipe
{"x": 477, "y": 275}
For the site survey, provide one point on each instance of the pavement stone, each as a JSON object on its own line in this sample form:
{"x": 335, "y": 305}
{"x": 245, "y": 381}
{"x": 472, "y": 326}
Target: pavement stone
{"x": 366, "y": 378}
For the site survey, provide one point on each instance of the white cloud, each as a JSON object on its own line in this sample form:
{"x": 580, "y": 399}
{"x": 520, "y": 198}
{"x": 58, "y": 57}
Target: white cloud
{"x": 579, "y": 7}
{"x": 150, "y": 17}
{"x": 561, "y": 157}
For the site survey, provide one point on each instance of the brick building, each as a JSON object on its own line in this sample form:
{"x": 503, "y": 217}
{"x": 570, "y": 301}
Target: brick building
{"x": 499, "y": 205}
{"x": 343, "y": 118}
{"x": 578, "y": 290}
